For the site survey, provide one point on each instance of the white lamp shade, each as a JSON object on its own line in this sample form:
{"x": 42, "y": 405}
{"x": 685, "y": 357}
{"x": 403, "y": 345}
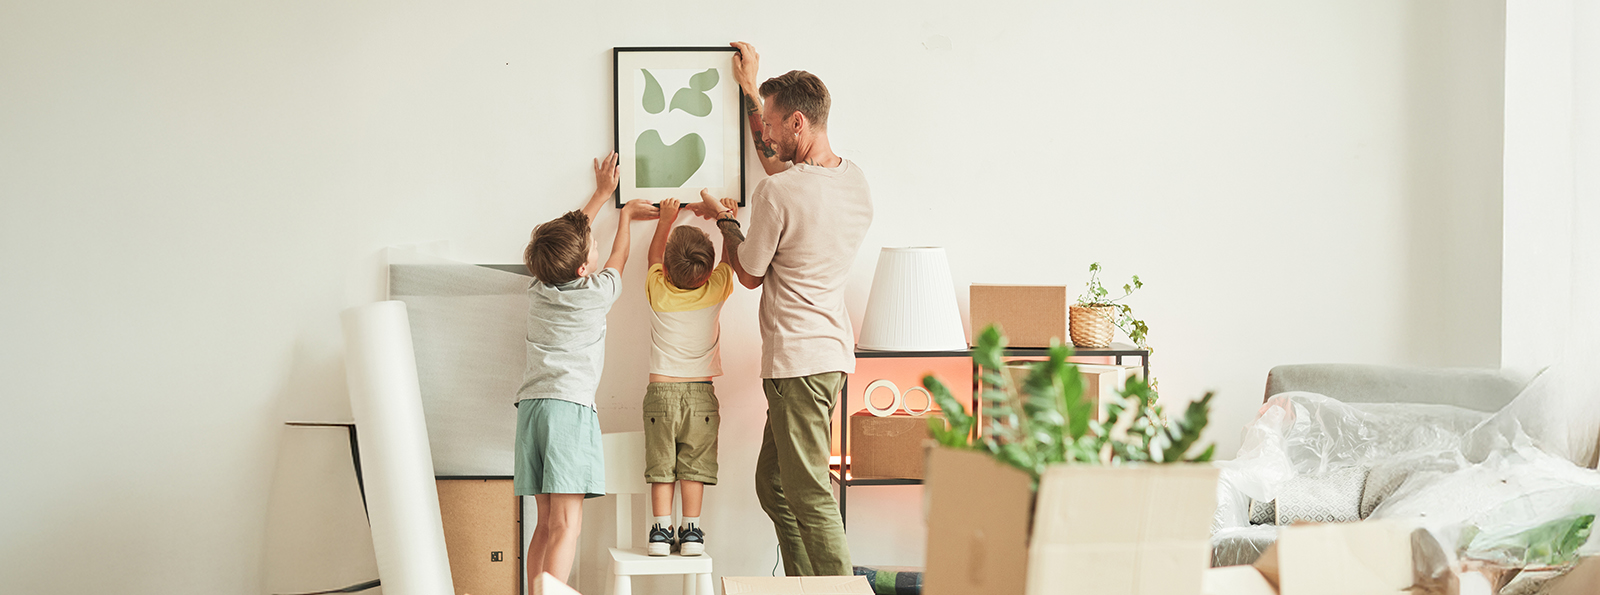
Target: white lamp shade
{"x": 913, "y": 304}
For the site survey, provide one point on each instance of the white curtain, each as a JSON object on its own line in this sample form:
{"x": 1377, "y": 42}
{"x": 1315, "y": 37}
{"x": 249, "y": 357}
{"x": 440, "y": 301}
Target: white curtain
{"x": 1551, "y": 267}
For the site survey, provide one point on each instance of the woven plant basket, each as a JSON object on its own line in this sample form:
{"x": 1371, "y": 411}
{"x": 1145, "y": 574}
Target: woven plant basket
{"x": 1091, "y": 326}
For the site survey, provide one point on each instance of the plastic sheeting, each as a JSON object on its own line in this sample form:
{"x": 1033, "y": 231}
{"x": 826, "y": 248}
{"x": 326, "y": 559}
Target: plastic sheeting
{"x": 1233, "y": 546}
{"x": 1305, "y": 435}
{"x": 1499, "y": 488}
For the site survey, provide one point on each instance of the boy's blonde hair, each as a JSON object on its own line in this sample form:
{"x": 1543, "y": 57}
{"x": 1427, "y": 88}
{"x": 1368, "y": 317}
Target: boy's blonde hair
{"x": 689, "y": 257}
{"x": 558, "y": 248}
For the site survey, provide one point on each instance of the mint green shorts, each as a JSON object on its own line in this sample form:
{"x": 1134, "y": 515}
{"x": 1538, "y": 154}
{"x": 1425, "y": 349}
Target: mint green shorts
{"x": 558, "y": 449}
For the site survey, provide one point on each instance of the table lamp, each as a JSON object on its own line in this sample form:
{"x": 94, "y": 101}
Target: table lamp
{"x": 912, "y": 306}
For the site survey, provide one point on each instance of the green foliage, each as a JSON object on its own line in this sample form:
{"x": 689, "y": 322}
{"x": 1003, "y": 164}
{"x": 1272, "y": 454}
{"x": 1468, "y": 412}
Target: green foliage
{"x": 1096, "y": 295}
{"x": 1047, "y": 418}
{"x": 1554, "y": 543}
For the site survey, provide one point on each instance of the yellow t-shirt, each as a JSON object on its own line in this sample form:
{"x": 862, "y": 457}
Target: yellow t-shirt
{"x": 683, "y": 323}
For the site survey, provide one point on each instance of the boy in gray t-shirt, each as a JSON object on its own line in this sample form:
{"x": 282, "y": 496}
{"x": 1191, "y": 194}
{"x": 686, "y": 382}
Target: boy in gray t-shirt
{"x": 558, "y": 456}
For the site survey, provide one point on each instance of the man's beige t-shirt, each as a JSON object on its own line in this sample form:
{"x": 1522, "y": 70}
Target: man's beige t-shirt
{"x": 806, "y": 225}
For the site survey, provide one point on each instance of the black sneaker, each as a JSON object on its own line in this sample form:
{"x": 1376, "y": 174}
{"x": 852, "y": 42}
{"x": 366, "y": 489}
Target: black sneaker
{"x": 691, "y": 541}
{"x": 661, "y": 541}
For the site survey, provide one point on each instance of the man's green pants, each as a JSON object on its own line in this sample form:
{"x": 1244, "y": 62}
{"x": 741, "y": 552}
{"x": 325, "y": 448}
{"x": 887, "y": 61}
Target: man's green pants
{"x": 792, "y": 475}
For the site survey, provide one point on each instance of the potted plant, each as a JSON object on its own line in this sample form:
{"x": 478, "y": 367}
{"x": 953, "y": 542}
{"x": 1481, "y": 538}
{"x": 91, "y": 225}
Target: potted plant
{"x": 1044, "y": 481}
{"x": 1097, "y": 315}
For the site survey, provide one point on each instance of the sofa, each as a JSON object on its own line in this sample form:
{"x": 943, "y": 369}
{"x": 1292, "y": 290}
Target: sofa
{"x": 1482, "y": 390}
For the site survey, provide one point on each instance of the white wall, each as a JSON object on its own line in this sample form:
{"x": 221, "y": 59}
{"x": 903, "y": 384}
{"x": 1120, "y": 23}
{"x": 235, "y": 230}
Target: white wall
{"x": 190, "y": 192}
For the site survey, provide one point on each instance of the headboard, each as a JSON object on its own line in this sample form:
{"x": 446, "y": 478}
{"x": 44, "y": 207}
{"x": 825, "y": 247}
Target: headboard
{"x": 1481, "y": 389}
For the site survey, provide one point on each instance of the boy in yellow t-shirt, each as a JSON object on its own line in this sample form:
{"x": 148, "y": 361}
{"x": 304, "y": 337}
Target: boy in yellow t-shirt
{"x": 686, "y": 286}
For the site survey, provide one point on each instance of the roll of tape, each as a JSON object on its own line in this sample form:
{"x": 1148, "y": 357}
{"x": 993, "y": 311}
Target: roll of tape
{"x": 926, "y": 397}
{"x": 899, "y": 400}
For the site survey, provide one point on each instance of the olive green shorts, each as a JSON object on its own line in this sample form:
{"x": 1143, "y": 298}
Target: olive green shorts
{"x": 680, "y": 432}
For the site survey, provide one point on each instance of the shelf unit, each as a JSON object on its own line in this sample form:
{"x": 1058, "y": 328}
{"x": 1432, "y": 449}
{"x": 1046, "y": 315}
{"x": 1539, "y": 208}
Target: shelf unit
{"x": 840, "y": 473}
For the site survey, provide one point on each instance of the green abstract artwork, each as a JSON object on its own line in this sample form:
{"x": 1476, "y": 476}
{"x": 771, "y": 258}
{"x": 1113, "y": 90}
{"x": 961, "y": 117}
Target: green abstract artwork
{"x": 683, "y": 98}
{"x": 693, "y": 98}
{"x": 654, "y": 99}
{"x": 660, "y": 165}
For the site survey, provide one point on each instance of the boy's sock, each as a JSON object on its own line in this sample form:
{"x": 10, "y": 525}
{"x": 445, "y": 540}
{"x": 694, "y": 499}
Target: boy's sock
{"x": 691, "y": 521}
{"x": 664, "y": 521}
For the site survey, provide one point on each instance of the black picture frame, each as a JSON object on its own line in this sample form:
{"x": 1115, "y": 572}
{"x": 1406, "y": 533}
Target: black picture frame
{"x": 624, "y": 185}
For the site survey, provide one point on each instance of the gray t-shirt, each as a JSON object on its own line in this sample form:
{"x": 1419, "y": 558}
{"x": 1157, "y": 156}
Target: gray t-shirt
{"x": 806, "y": 224}
{"x": 567, "y": 337}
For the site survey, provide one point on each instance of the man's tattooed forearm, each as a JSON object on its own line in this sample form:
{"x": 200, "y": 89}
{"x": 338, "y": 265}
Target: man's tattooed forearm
{"x": 732, "y": 236}
{"x": 752, "y": 113}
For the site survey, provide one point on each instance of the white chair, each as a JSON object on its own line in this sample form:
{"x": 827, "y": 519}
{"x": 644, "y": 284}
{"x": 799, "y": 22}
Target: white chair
{"x": 625, "y": 479}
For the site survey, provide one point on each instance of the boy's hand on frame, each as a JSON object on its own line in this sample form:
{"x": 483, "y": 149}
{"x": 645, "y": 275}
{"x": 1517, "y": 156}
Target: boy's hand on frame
{"x": 729, "y": 204}
{"x": 605, "y": 174}
{"x": 640, "y": 209}
{"x": 670, "y": 210}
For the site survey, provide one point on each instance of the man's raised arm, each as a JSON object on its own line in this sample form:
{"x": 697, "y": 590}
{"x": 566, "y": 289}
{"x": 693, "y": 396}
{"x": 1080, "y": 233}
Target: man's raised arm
{"x": 727, "y": 211}
{"x": 744, "y": 72}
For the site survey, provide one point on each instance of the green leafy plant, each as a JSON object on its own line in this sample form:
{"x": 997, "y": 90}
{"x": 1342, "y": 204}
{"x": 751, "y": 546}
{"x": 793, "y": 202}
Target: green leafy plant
{"x": 1046, "y": 419}
{"x": 1095, "y": 295}
{"x": 1554, "y": 543}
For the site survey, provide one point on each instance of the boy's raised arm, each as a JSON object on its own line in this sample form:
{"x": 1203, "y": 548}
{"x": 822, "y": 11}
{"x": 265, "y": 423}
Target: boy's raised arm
{"x": 605, "y": 183}
{"x": 636, "y": 209}
{"x": 658, "y": 242}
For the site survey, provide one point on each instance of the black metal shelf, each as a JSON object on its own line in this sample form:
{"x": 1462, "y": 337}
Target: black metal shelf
{"x": 1115, "y": 350}
{"x": 836, "y": 473}
{"x": 833, "y": 474}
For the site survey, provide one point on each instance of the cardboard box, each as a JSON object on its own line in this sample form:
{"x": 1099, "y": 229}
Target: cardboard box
{"x": 1017, "y": 372}
{"x": 1235, "y": 580}
{"x": 1029, "y": 315}
{"x": 1582, "y": 579}
{"x": 796, "y": 585}
{"x": 548, "y": 584}
{"x": 977, "y": 525}
{"x": 887, "y": 447}
{"x": 1131, "y": 530}
{"x": 482, "y": 534}
{"x": 1365, "y": 558}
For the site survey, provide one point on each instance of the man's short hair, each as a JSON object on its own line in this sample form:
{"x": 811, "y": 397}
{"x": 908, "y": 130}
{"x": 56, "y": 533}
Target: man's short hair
{"x": 689, "y": 257}
{"x": 558, "y": 248}
{"x": 799, "y": 91}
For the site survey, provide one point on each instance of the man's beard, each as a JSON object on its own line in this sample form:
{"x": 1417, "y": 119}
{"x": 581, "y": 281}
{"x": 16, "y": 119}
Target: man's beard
{"x": 786, "y": 151}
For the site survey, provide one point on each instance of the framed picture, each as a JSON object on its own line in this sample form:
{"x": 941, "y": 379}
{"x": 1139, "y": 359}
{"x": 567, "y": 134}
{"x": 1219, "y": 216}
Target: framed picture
{"x": 679, "y": 124}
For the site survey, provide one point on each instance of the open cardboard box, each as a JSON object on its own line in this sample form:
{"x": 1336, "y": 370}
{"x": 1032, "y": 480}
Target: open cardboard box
{"x": 978, "y": 515}
{"x": 1096, "y": 530}
{"x": 1134, "y": 530}
{"x": 1235, "y": 580}
{"x": 1378, "y": 557}
{"x": 1365, "y": 558}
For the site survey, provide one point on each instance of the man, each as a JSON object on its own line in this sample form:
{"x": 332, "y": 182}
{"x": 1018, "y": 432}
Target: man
{"x": 807, "y": 221}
